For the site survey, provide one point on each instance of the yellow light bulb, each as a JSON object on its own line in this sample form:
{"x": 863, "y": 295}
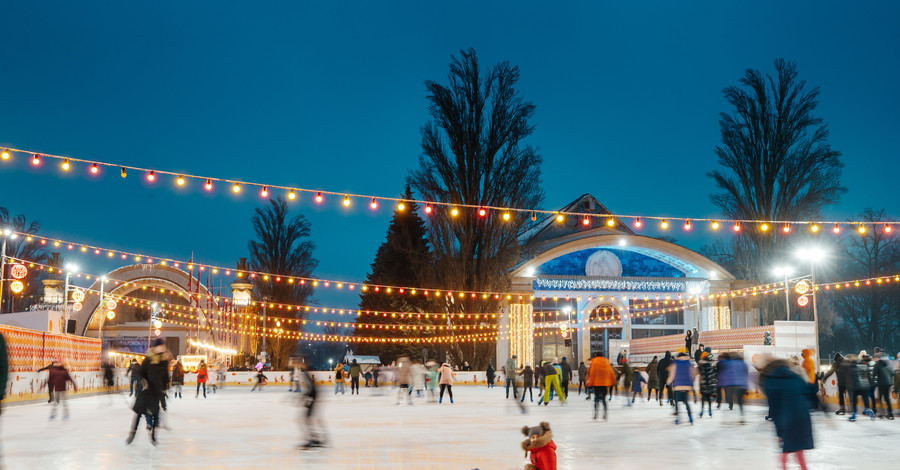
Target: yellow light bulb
{"x": 65, "y": 165}
{"x": 292, "y": 195}
{"x": 236, "y": 188}
{"x": 346, "y": 201}
{"x": 764, "y": 227}
{"x": 559, "y": 217}
{"x": 506, "y": 216}
{"x": 610, "y": 222}
{"x": 401, "y": 206}
{"x": 664, "y": 225}
{"x": 454, "y": 212}
{"x": 715, "y": 226}
{"x": 862, "y": 229}
{"x": 180, "y": 181}
{"x": 814, "y": 228}
{"x": 5, "y": 154}
{"x": 264, "y": 192}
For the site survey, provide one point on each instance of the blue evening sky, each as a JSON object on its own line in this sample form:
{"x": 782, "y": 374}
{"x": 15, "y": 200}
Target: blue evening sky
{"x": 330, "y": 95}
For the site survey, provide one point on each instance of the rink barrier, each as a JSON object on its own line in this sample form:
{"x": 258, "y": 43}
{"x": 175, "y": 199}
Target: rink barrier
{"x": 29, "y": 350}
{"x": 27, "y": 386}
{"x": 735, "y": 338}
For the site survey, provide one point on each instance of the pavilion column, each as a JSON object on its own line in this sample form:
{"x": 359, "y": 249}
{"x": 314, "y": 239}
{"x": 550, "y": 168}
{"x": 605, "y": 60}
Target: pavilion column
{"x": 516, "y": 335}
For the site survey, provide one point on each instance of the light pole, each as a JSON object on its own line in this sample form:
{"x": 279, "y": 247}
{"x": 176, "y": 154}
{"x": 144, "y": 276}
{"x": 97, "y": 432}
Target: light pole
{"x": 70, "y": 268}
{"x": 813, "y": 255}
{"x": 786, "y": 271}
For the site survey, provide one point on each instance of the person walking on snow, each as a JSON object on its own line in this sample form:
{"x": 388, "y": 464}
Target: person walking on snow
{"x": 681, "y": 376}
{"x": 447, "y": 376}
{"x": 510, "y": 371}
{"x": 600, "y": 377}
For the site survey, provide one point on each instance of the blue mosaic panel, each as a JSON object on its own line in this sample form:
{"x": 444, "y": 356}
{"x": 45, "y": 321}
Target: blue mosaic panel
{"x": 633, "y": 264}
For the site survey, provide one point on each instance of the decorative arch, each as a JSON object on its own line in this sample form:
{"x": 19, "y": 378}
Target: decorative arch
{"x": 689, "y": 261}
{"x": 150, "y": 275}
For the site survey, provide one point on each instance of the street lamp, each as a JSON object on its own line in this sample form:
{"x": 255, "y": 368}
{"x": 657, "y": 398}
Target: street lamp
{"x": 70, "y": 268}
{"x": 785, "y": 271}
{"x": 813, "y": 255}
{"x": 6, "y": 234}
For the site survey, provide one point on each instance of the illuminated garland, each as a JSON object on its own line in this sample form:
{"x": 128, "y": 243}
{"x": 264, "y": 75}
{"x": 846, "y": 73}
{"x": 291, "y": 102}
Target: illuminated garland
{"x": 429, "y": 207}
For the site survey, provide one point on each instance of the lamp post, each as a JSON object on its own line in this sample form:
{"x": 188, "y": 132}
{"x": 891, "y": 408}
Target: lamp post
{"x": 70, "y": 268}
{"x": 786, "y": 271}
{"x": 813, "y": 255}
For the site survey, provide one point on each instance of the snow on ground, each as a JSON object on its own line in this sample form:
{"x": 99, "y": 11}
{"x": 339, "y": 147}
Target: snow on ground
{"x": 239, "y": 429}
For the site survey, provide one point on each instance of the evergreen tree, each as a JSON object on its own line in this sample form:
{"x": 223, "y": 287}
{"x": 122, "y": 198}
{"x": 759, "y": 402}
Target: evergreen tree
{"x": 404, "y": 259}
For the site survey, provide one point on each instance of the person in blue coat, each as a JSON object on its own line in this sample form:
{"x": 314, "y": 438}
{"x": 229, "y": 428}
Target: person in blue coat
{"x": 733, "y": 373}
{"x": 789, "y": 396}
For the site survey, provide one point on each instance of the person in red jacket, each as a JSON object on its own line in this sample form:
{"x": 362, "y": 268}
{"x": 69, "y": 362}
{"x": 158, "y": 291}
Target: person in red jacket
{"x": 58, "y": 381}
{"x": 540, "y": 445}
{"x": 202, "y": 376}
{"x": 601, "y": 377}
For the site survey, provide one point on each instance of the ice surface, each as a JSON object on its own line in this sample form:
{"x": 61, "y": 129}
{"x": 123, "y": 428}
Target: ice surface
{"x": 239, "y": 429}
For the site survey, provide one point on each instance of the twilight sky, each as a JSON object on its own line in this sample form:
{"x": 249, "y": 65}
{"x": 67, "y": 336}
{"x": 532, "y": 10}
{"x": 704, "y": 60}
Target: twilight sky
{"x": 330, "y": 95}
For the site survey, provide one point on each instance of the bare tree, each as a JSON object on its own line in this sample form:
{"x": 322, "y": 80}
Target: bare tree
{"x": 867, "y": 315}
{"x": 778, "y": 164}
{"x": 281, "y": 249}
{"x": 473, "y": 155}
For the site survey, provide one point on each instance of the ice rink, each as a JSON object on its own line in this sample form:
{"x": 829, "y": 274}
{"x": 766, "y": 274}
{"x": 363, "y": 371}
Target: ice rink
{"x": 239, "y": 429}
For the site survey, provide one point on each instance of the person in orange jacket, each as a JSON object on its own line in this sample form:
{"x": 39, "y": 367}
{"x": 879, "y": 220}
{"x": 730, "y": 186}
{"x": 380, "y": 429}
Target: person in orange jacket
{"x": 809, "y": 366}
{"x": 600, "y": 376}
{"x": 540, "y": 445}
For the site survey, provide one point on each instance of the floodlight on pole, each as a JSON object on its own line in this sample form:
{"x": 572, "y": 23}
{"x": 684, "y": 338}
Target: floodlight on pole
{"x": 814, "y": 254}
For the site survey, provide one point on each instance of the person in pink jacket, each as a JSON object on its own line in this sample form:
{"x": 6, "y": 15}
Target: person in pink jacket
{"x": 446, "y": 382}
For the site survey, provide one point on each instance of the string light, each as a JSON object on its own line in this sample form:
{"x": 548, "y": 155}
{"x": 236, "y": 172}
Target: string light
{"x": 428, "y": 209}
{"x": 400, "y": 206}
{"x": 373, "y": 204}
{"x": 837, "y": 229}
{"x": 179, "y": 181}
{"x": 482, "y": 212}
{"x": 454, "y": 212}
{"x": 586, "y": 221}
{"x": 506, "y": 216}
{"x": 764, "y": 227}
{"x": 715, "y": 225}
{"x": 637, "y": 223}
{"x": 65, "y": 165}
{"x": 664, "y": 224}
{"x": 94, "y": 168}
{"x": 5, "y": 154}
{"x": 786, "y": 229}
{"x": 861, "y": 229}
{"x": 533, "y": 216}
{"x": 236, "y": 188}
{"x": 346, "y": 200}
{"x": 151, "y": 176}
{"x": 610, "y": 222}
{"x": 264, "y": 192}
{"x": 814, "y": 228}
{"x": 36, "y": 160}
{"x": 887, "y": 228}
{"x": 737, "y": 227}
{"x": 208, "y": 184}
{"x": 123, "y": 173}
{"x": 687, "y": 224}
{"x": 292, "y": 195}
{"x": 319, "y": 197}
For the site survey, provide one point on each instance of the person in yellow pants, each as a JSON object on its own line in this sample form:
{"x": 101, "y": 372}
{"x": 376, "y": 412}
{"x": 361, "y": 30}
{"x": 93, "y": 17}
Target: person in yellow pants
{"x": 551, "y": 379}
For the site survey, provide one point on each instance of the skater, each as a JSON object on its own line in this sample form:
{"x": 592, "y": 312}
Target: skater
{"x": 49, "y": 389}
{"x": 839, "y": 370}
{"x": 884, "y": 378}
{"x": 447, "y": 376}
{"x": 431, "y": 380}
{"x": 202, "y": 377}
{"x": 539, "y": 380}
{"x": 178, "y": 379}
{"x": 315, "y": 430}
{"x": 489, "y": 375}
{"x": 695, "y": 342}
{"x": 403, "y": 373}
{"x": 708, "y": 387}
{"x": 789, "y": 396}
{"x": 540, "y": 445}
{"x": 600, "y": 376}
{"x": 154, "y": 371}
{"x": 627, "y": 373}
{"x": 565, "y": 375}
{"x": 375, "y": 372}
{"x": 418, "y": 372}
{"x": 339, "y": 378}
{"x": 108, "y": 377}
{"x": 809, "y": 367}
{"x": 582, "y": 370}
{"x": 859, "y": 385}
{"x": 220, "y": 378}
{"x": 135, "y": 381}
{"x": 636, "y": 388}
{"x": 527, "y": 383}
{"x": 551, "y": 382}
{"x": 58, "y": 379}
{"x": 653, "y": 379}
{"x": 681, "y": 376}
{"x": 662, "y": 371}
{"x": 732, "y": 376}
{"x": 355, "y": 371}
{"x": 260, "y": 380}
{"x": 510, "y": 371}
{"x": 368, "y": 377}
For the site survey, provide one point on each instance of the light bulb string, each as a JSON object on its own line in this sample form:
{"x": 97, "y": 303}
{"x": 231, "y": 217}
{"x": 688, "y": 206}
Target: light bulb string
{"x": 543, "y": 212}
